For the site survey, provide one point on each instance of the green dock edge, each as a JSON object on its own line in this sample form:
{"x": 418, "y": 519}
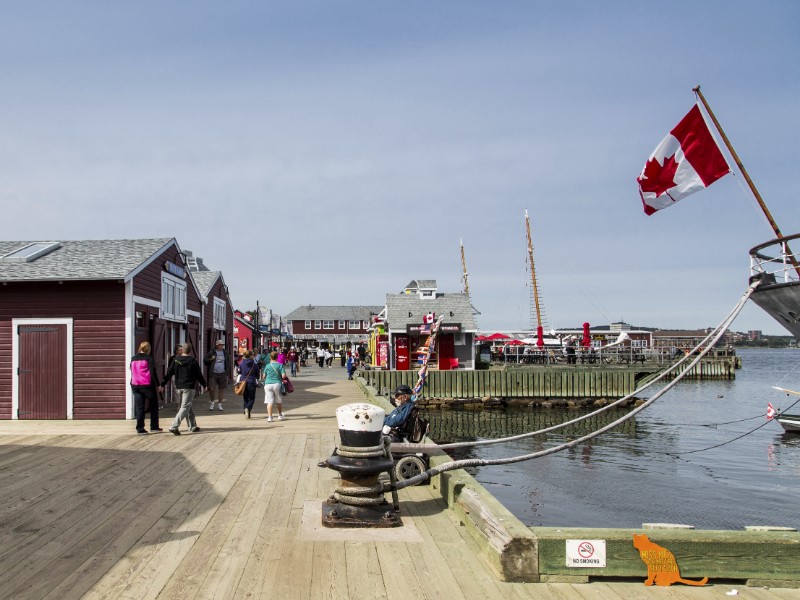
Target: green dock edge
{"x": 765, "y": 557}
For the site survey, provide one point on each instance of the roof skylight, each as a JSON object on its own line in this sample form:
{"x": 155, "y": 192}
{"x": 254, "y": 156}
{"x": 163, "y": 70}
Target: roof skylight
{"x": 31, "y": 252}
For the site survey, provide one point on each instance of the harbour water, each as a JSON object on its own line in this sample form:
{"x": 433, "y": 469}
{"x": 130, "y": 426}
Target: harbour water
{"x": 678, "y": 462}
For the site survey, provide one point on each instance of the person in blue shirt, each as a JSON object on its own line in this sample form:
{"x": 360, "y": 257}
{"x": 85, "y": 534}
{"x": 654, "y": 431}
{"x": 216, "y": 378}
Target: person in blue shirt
{"x": 404, "y": 400}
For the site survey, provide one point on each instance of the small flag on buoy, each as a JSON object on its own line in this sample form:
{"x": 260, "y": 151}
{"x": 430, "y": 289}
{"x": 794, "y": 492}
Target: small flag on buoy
{"x": 770, "y": 411}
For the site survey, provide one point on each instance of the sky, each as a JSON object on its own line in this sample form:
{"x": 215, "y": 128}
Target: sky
{"x": 329, "y": 153}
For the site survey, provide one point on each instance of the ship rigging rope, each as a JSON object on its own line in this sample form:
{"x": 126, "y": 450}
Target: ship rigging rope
{"x": 759, "y": 416}
{"x": 477, "y": 462}
{"x": 738, "y": 437}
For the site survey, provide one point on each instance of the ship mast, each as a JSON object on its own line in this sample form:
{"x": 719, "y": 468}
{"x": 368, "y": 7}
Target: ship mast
{"x": 533, "y": 273}
{"x": 465, "y": 276}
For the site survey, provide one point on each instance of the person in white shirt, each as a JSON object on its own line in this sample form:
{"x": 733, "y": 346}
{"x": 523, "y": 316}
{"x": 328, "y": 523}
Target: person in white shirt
{"x": 321, "y": 357}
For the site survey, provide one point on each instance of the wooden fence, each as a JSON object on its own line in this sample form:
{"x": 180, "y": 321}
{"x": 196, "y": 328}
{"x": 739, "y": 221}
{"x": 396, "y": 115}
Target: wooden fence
{"x": 513, "y": 383}
{"x": 540, "y": 382}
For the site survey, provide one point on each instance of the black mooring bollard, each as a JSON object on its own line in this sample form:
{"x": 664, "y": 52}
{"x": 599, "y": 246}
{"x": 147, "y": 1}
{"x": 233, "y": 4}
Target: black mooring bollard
{"x": 360, "y": 459}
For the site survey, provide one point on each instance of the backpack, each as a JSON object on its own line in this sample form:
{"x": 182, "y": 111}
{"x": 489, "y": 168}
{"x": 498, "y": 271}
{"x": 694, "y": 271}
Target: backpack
{"x": 140, "y": 372}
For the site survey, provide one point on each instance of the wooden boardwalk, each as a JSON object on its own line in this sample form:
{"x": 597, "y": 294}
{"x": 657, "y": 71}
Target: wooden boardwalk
{"x": 89, "y": 510}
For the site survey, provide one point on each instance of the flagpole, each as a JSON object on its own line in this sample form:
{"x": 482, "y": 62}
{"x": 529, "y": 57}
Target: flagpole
{"x": 736, "y": 158}
{"x": 749, "y": 181}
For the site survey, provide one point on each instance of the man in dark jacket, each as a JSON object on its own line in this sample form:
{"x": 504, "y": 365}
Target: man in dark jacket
{"x": 394, "y": 422}
{"x": 188, "y": 374}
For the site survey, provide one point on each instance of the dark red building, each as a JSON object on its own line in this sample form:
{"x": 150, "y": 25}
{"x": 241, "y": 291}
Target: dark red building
{"x": 218, "y": 322}
{"x": 72, "y": 313}
{"x": 333, "y": 327}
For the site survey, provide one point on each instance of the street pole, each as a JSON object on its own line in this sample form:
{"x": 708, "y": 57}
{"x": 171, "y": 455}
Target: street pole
{"x": 258, "y": 328}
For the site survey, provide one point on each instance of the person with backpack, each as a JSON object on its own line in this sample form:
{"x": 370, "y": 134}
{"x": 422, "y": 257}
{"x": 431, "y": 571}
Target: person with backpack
{"x": 249, "y": 373}
{"x": 187, "y": 373}
{"x": 144, "y": 385}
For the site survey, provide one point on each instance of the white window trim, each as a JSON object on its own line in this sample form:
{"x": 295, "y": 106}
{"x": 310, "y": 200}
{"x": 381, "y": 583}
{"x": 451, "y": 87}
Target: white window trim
{"x": 178, "y": 287}
{"x": 317, "y": 324}
{"x": 342, "y": 324}
{"x": 328, "y": 324}
{"x": 220, "y": 313}
{"x": 354, "y": 324}
{"x": 307, "y": 325}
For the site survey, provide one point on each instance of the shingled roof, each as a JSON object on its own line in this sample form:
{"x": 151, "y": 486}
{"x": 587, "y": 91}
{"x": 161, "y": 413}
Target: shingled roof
{"x": 422, "y": 284}
{"x": 205, "y": 280}
{"x": 82, "y": 260}
{"x": 408, "y": 309}
{"x": 332, "y": 313}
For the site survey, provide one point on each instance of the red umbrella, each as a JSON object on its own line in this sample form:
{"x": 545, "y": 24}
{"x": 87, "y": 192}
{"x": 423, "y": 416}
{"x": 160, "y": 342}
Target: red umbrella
{"x": 587, "y": 340}
{"x": 498, "y": 336}
{"x": 515, "y": 343}
{"x": 539, "y": 336}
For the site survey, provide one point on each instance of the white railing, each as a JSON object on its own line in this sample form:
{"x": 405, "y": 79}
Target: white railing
{"x": 775, "y": 262}
{"x": 624, "y": 355}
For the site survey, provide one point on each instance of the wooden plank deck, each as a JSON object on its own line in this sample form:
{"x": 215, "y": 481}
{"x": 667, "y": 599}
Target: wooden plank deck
{"x": 89, "y": 510}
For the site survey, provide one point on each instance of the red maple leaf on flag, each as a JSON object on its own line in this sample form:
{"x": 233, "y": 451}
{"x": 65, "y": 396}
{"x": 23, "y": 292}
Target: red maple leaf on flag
{"x": 658, "y": 178}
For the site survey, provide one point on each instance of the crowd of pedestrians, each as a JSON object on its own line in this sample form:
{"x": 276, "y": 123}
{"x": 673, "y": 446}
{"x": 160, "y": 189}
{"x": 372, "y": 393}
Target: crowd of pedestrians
{"x": 252, "y": 370}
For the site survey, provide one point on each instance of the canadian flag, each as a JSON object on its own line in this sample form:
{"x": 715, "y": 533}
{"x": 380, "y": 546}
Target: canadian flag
{"x": 429, "y": 318}
{"x": 771, "y": 412}
{"x": 686, "y": 161}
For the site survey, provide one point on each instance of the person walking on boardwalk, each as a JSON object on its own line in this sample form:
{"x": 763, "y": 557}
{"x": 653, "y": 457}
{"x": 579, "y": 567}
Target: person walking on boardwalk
{"x": 362, "y": 354}
{"x": 274, "y": 375}
{"x": 248, "y": 369}
{"x": 188, "y": 374}
{"x": 145, "y": 388}
{"x": 292, "y": 358}
{"x": 218, "y": 369}
{"x": 320, "y": 357}
{"x": 351, "y": 366}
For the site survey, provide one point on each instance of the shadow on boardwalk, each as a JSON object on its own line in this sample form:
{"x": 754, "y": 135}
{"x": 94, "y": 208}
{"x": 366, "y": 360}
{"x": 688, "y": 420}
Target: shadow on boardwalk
{"x": 69, "y": 512}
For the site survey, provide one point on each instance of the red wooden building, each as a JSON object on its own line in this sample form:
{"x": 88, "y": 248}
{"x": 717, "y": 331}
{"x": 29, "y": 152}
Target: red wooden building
{"x": 72, "y": 314}
{"x": 217, "y": 321}
{"x": 244, "y": 333}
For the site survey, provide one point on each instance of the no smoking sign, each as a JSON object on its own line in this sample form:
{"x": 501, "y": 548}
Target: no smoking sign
{"x": 586, "y": 553}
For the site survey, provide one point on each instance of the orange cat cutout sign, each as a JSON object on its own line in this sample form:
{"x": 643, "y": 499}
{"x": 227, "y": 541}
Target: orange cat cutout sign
{"x": 662, "y": 568}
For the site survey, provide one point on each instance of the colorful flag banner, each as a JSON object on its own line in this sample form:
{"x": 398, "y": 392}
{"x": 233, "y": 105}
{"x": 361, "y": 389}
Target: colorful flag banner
{"x": 686, "y": 161}
{"x": 771, "y": 412}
